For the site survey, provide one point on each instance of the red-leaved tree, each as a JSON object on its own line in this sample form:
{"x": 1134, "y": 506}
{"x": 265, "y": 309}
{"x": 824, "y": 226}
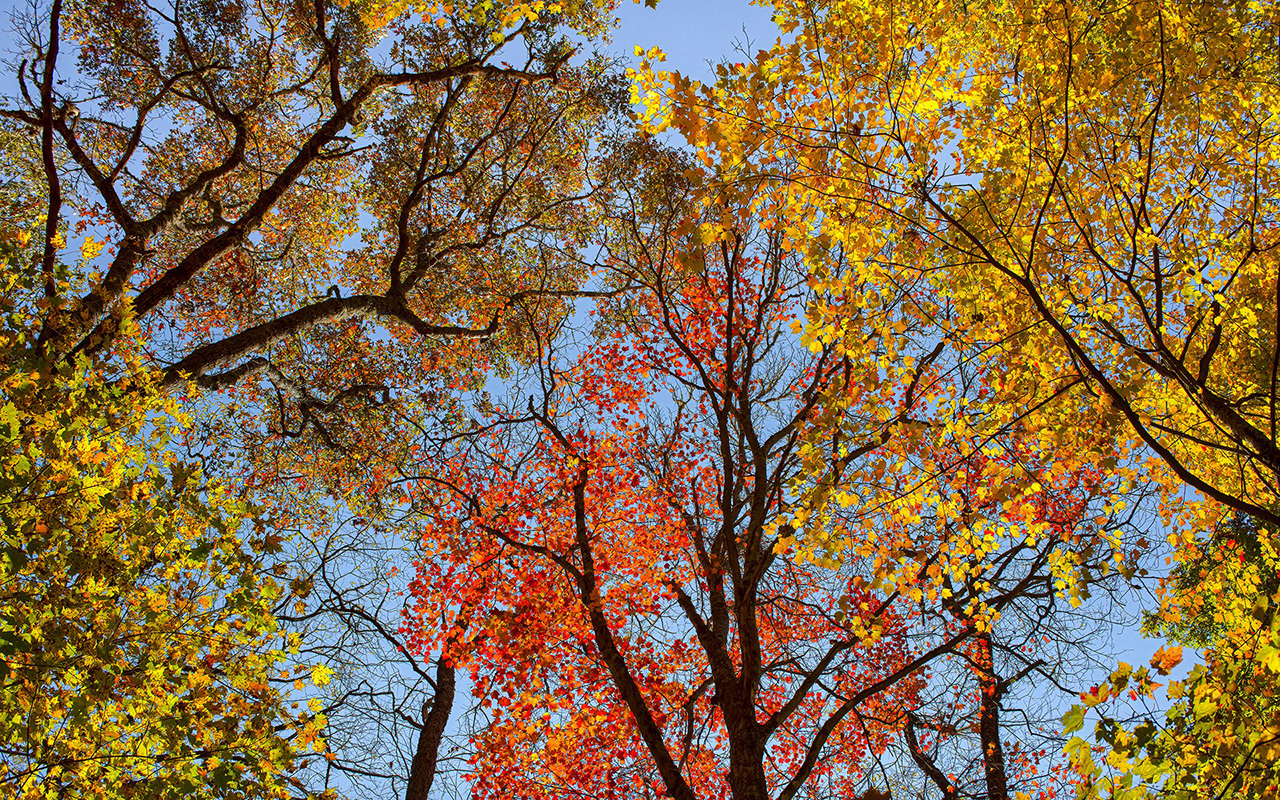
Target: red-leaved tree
{"x": 625, "y": 564}
{"x": 605, "y": 558}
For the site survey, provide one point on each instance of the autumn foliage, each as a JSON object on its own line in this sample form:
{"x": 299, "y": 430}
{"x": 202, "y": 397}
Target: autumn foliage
{"x": 139, "y": 644}
{"x": 805, "y": 432}
{"x": 614, "y": 546}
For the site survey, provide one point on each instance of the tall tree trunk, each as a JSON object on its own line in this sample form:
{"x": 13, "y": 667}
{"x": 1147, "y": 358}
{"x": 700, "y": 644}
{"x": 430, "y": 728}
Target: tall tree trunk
{"x": 746, "y": 753}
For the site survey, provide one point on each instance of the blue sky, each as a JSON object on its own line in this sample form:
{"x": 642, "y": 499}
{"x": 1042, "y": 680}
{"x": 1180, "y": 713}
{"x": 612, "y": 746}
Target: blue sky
{"x": 694, "y": 32}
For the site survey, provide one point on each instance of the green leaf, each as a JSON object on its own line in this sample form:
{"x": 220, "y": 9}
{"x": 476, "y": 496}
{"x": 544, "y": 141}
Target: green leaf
{"x": 1073, "y": 720}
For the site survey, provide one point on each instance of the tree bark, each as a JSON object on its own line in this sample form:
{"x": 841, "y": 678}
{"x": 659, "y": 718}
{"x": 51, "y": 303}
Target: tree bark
{"x": 435, "y": 715}
{"x": 989, "y": 723}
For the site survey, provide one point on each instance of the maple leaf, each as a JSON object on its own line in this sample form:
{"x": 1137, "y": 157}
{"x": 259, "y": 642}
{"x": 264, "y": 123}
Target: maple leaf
{"x": 1165, "y": 660}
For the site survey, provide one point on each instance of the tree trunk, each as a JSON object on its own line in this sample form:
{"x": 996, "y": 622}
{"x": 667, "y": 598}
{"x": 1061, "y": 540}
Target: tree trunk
{"x": 435, "y": 715}
{"x": 989, "y": 723}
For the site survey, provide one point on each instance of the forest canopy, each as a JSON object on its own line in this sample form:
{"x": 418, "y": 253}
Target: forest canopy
{"x": 422, "y": 399}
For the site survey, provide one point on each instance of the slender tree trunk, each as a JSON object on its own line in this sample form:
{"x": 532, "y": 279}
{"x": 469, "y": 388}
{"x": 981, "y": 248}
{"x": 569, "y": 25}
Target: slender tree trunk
{"x": 989, "y": 723}
{"x": 435, "y": 715}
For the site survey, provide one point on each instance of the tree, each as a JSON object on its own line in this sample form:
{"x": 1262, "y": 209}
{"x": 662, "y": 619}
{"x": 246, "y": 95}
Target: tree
{"x": 392, "y": 722}
{"x": 618, "y": 563}
{"x": 225, "y": 180}
{"x": 325, "y": 213}
{"x": 1088, "y": 191}
{"x": 137, "y": 644}
{"x": 995, "y": 537}
{"x": 622, "y": 548}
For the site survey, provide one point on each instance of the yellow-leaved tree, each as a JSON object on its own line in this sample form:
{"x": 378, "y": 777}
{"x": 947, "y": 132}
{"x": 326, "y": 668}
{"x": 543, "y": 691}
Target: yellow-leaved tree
{"x": 1077, "y": 201}
{"x": 139, "y": 654}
